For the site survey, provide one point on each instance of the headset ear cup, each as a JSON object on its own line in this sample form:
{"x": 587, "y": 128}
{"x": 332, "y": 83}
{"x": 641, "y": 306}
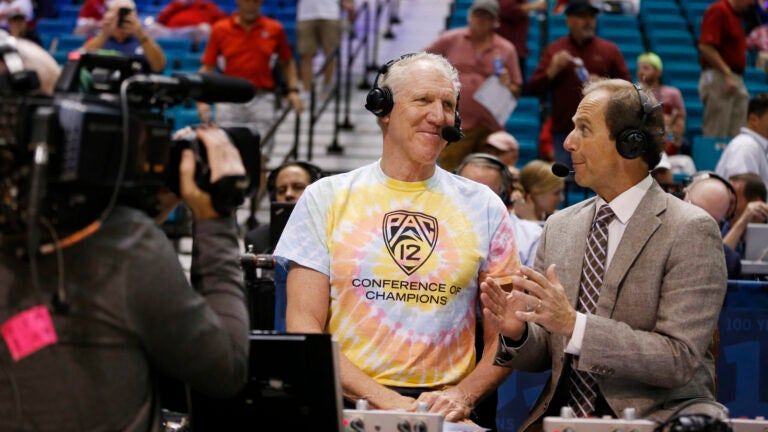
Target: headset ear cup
{"x": 504, "y": 195}
{"x": 631, "y": 143}
{"x": 271, "y": 179}
{"x": 379, "y": 101}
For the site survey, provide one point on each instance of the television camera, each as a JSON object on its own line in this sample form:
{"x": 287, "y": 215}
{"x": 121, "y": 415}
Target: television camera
{"x": 104, "y": 137}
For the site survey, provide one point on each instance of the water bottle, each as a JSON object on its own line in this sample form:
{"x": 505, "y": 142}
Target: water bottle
{"x": 581, "y": 71}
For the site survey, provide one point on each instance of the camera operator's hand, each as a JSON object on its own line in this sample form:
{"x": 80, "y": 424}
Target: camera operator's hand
{"x": 223, "y": 160}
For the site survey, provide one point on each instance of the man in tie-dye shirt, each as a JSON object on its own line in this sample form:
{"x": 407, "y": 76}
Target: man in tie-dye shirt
{"x": 387, "y": 258}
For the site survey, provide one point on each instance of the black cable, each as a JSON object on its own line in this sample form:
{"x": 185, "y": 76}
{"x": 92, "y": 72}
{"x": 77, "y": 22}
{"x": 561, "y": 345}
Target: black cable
{"x": 678, "y": 422}
{"x": 60, "y": 297}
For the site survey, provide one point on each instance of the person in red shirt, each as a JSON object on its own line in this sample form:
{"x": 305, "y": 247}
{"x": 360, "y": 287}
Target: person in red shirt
{"x": 723, "y": 48}
{"x": 246, "y": 41}
{"x": 89, "y": 18}
{"x": 478, "y": 53}
{"x": 186, "y": 18}
{"x": 560, "y": 75}
{"x": 514, "y": 23}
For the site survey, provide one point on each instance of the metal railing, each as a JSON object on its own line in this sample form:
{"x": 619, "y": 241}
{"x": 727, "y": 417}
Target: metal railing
{"x": 365, "y": 43}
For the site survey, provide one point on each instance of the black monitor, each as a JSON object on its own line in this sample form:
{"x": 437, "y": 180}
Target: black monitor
{"x": 279, "y": 212}
{"x": 293, "y": 383}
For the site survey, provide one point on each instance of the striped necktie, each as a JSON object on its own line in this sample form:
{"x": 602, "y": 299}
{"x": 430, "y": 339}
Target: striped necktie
{"x": 583, "y": 389}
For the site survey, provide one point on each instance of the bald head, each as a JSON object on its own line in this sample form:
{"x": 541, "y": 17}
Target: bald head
{"x": 711, "y": 195}
{"x": 36, "y": 58}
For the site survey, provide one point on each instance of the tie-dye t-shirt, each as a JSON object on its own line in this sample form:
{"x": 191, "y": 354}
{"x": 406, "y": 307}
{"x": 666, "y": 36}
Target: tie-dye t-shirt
{"x": 403, "y": 260}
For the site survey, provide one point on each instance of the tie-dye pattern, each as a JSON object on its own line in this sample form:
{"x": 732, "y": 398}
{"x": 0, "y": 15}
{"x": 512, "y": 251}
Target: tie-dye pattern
{"x": 403, "y": 261}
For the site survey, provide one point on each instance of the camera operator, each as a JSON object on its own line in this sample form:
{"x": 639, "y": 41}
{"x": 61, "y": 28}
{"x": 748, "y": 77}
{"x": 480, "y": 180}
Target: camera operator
{"x": 123, "y": 311}
{"x": 121, "y": 31}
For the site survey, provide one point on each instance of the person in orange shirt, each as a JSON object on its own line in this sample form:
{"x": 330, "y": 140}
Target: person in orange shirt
{"x": 246, "y": 41}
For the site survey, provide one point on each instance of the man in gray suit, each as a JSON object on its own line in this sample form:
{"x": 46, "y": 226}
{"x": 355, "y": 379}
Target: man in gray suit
{"x": 646, "y": 341}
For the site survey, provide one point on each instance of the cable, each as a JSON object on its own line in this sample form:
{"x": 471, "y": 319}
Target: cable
{"x": 60, "y": 298}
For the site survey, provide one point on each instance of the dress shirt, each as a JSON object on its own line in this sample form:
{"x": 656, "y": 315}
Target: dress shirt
{"x": 623, "y": 207}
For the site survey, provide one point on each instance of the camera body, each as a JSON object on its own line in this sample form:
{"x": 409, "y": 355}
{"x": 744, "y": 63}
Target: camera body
{"x": 101, "y": 139}
{"x": 121, "y": 14}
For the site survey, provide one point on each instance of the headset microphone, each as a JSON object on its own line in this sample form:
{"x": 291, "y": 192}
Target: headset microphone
{"x": 451, "y": 133}
{"x": 560, "y": 169}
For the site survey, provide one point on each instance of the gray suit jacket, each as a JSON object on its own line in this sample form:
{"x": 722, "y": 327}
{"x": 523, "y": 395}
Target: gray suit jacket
{"x": 658, "y": 308}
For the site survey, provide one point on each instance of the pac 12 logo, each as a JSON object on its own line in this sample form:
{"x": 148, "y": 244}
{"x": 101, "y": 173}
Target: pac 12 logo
{"x": 410, "y": 238}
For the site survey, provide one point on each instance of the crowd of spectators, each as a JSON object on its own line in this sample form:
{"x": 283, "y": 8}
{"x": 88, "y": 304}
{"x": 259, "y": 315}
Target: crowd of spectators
{"x": 497, "y": 31}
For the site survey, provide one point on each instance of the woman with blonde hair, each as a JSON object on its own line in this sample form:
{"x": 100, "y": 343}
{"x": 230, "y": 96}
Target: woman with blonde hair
{"x": 543, "y": 191}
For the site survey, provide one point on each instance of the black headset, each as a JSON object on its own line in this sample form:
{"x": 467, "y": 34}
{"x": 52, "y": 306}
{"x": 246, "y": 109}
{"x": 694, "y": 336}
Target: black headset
{"x": 380, "y": 101}
{"x": 632, "y": 142}
{"x": 496, "y": 163}
{"x": 315, "y": 173}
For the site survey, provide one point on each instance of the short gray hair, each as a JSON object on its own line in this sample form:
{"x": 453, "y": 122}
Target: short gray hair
{"x": 396, "y": 76}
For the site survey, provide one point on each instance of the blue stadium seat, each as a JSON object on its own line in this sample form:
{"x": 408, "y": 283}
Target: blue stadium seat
{"x": 55, "y": 26}
{"x": 66, "y": 42}
{"x": 694, "y": 111}
{"x": 754, "y": 75}
{"x": 696, "y": 25}
{"x": 677, "y": 70}
{"x": 694, "y": 108}
{"x": 530, "y": 68}
{"x": 455, "y": 21}
{"x": 756, "y": 88}
{"x": 175, "y": 44}
{"x": 528, "y": 150}
{"x": 632, "y": 66}
{"x": 659, "y": 7}
{"x": 190, "y": 61}
{"x": 628, "y": 35}
{"x": 149, "y": 11}
{"x": 694, "y": 10}
{"x": 60, "y": 57}
{"x": 524, "y": 126}
{"x": 693, "y": 128}
{"x": 556, "y": 33}
{"x": 285, "y": 15}
{"x": 617, "y": 21}
{"x": 556, "y": 21}
{"x": 678, "y": 53}
{"x": 528, "y": 105}
{"x": 706, "y": 151}
{"x": 200, "y": 46}
{"x": 688, "y": 87}
{"x": 669, "y": 37}
{"x": 665, "y": 22}
{"x": 185, "y": 117}
{"x": 630, "y": 50}
{"x": 69, "y": 11}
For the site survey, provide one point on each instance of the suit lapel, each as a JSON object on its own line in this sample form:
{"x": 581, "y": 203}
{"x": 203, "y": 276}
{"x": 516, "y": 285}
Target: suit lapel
{"x": 643, "y": 223}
